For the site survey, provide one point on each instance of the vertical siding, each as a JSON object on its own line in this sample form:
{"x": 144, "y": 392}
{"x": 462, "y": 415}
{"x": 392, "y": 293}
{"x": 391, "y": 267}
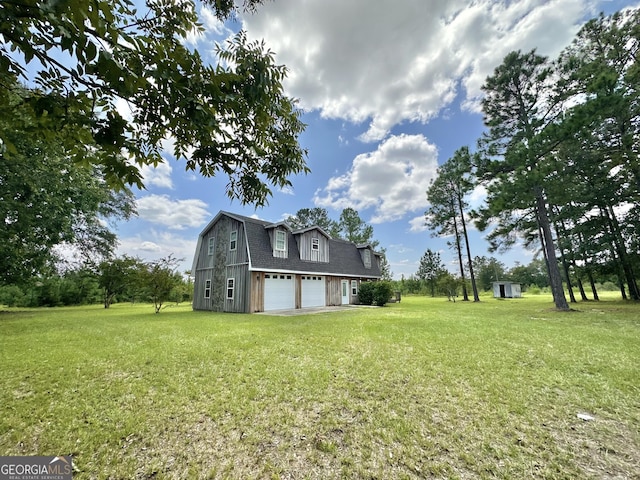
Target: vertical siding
{"x": 239, "y": 302}
{"x": 305, "y": 246}
{"x": 298, "y": 291}
{"x": 334, "y": 293}
{"x": 216, "y": 268}
{"x": 256, "y": 292}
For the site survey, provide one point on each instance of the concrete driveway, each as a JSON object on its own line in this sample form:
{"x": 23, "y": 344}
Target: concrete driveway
{"x": 307, "y": 311}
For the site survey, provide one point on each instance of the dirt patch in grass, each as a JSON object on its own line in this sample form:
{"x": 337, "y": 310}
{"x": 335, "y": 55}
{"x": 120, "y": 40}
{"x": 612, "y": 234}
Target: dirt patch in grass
{"x": 603, "y": 448}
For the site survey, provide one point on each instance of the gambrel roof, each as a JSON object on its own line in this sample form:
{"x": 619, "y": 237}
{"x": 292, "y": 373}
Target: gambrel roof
{"x": 345, "y": 258}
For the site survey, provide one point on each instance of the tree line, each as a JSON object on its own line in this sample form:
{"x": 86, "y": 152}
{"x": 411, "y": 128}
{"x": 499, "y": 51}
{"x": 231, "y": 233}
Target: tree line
{"x": 117, "y": 279}
{"x": 434, "y": 279}
{"x": 559, "y": 161}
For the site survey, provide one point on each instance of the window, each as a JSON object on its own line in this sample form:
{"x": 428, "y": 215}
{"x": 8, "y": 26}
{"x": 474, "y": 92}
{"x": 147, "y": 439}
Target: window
{"x": 315, "y": 244}
{"x": 231, "y": 285}
{"x": 354, "y": 287}
{"x": 233, "y": 240}
{"x": 211, "y": 245}
{"x": 281, "y": 240}
{"x": 367, "y": 258}
{"x": 207, "y": 289}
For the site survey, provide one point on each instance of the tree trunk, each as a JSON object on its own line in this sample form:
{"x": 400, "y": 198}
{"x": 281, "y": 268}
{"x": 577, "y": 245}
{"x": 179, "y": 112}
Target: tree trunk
{"x": 627, "y": 268}
{"x": 592, "y": 282}
{"x": 587, "y": 268}
{"x": 465, "y": 295}
{"x": 583, "y": 294}
{"x": 560, "y": 229}
{"x": 476, "y": 298}
{"x": 555, "y": 280}
{"x": 572, "y": 297}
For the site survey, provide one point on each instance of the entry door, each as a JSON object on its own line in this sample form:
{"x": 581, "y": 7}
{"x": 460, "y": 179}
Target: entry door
{"x": 345, "y": 292}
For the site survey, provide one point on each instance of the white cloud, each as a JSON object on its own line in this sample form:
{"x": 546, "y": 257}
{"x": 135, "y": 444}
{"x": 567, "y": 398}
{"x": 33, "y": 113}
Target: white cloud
{"x": 211, "y": 23}
{"x": 174, "y": 214}
{"x": 159, "y": 176}
{"x": 390, "y": 62}
{"x": 477, "y": 197}
{"x": 418, "y": 224}
{"x": 393, "y": 179}
{"x": 153, "y": 245}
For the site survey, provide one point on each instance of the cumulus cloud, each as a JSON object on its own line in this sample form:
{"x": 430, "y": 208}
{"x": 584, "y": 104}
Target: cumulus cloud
{"x": 392, "y": 62}
{"x": 174, "y": 214}
{"x": 418, "y": 224}
{"x": 392, "y": 179}
{"x": 159, "y": 176}
{"x": 153, "y": 245}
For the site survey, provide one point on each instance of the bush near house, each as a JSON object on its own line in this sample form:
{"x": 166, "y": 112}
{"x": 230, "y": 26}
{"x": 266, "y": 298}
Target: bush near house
{"x": 375, "y": 293}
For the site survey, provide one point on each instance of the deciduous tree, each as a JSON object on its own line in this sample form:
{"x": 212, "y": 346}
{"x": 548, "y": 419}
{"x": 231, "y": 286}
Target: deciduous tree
{"x": 159, "y": 278}
{"x": 48, "y": 201}
{"x": 86, "y": 56}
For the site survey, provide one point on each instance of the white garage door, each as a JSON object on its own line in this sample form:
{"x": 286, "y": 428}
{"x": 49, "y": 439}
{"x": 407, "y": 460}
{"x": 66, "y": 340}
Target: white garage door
{"x": 279, "y": 291}
{"x": 313, "y": 291}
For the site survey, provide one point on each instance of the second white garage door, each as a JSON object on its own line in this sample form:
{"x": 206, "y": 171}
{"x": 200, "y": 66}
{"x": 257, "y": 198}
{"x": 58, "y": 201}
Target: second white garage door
{"x": 279, "y": 291}
{"x": 313, "y": 291}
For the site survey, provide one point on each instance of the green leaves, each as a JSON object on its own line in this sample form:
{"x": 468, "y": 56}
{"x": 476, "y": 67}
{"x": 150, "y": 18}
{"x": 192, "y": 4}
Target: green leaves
{"x": 232, "y": 118}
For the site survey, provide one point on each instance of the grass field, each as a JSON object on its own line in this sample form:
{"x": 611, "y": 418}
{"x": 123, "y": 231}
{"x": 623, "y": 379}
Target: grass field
{"x": 420, "y": 389}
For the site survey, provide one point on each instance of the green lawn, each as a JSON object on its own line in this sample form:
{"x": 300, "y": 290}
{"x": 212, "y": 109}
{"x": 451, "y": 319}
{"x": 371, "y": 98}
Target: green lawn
{"x": 421, "y": 389}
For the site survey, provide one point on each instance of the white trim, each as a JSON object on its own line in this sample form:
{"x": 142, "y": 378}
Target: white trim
{"x": 232, "y": 288}
{"x": 232, "y": 240}
{"x": 309, "y": 272}
{"x": 284, "y": 241}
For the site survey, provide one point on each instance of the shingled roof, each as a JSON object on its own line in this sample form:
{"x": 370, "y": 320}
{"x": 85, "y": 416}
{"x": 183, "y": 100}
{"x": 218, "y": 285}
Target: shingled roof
{"x": 344, "y": 257}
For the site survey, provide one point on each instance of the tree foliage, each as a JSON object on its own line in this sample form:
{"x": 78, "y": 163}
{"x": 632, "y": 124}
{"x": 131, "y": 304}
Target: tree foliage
{"x": 489, "y": 270}
{"x": 159, "y": 279}
{"x": 317, "y": 216}
{"x": 519, "y": 110}
{"x": 561, "y": 156}
{"x": 48, "y": 201}
{"x": 83, "y": 57}
{"x": 446, "y": 195}
{"x": 116, "y": 276}
{"x": 430, "y": 270}
{"x": 354, "y": 229}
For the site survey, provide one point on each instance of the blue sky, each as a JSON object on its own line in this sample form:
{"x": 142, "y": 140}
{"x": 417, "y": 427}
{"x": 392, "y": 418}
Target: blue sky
{"x": 390, "y": 90}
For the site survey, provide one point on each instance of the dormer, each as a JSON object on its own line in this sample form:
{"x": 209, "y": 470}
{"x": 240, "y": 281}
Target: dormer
{"x": 313, "y": 244}
{"x": 279, "y": 236}
{"x": 367, "y": 254}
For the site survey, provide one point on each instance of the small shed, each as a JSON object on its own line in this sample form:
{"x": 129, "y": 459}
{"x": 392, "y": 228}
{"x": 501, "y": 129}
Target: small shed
{"x": 506, "y": 290}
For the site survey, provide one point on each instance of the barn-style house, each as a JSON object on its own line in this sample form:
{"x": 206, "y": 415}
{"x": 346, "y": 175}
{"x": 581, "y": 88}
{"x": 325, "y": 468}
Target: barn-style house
{"x": 247, "y": 265}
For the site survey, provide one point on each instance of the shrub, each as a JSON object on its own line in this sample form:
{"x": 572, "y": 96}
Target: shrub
{"x": 375, "y": 293}
{"x": 382, "y": 293}
{"x": 533, "y": 289}
{"x": 365, "y": 293}
{"x": 11, "y": 295}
